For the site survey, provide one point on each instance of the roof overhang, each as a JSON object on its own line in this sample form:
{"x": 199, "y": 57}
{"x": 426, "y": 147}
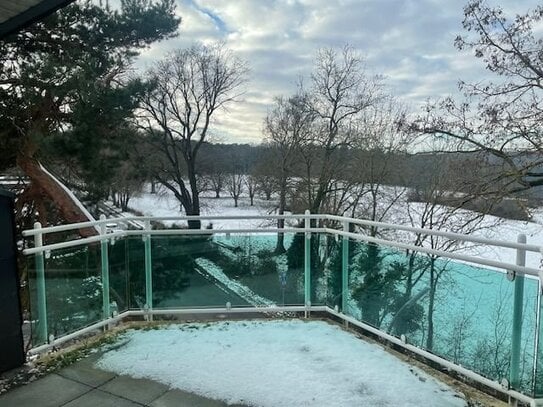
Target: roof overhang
{"x": 17, "y": 14}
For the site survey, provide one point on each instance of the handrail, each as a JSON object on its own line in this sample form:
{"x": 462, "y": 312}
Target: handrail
{"x": 72, "y": 243}
{"x": 432, "y": 232}
{"x": 357, "y": 236}
{"x": 363, "y": 222}
{"x": 83, "y": 225}
{"x": 342, "y": 219}
{"x": 160, "y": 232}
{"x": 440, "y": 253}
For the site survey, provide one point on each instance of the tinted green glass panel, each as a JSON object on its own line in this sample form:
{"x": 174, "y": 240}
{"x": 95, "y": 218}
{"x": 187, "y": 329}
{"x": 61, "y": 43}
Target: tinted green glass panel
{"x": 119, "y": 282}
{"x": 73, "y": 288}
{"x": 135, "y": 271}
{"x": 204, "y": 271}
{"x": 538, "y": 379}
{"x": 459, "y": 311}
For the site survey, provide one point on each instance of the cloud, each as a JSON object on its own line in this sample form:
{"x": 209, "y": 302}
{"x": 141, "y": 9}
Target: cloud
{"x": 409, "y": 42}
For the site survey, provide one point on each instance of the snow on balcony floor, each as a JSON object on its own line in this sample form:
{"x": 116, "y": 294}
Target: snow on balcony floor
{"x": 276, "y": 363}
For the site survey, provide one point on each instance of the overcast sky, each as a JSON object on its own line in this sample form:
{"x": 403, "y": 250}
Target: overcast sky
{"x": 410, "y": 42}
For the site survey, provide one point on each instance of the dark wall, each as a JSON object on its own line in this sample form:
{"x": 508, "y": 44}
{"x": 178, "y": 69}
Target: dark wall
{"x": 11, "y": 340}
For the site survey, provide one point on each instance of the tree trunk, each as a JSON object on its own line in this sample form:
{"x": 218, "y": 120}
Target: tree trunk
{"x": 191, "y": 211}
{"x": 375, "y": 297}
{"x": 69, "y": 210}
{"x": 252, "y": 197}
{"x": 410, "y": 271}
{"x": 430, "y": 333}
{"x": 280, "y": 246}
{"x": 153, "y": 187}
{"x": 125, "y": 197}
{"x": 195, "y": 204}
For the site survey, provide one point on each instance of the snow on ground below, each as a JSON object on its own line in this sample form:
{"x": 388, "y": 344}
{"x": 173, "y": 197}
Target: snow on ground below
{"x": 489, "y": 227}
{"x": 508, "y": 230}
{"x": 276, "y": 363}
{"x": 165, "y": 204}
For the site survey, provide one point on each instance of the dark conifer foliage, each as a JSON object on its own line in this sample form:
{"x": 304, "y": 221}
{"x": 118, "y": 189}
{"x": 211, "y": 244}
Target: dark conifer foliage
{"x": 68, "y": 77}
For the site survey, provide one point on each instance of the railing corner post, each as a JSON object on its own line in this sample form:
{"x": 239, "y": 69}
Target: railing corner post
{"x": 518, "y": 302}
{"x": 42, "y": 328}
{"x": 307, "y": 259}
{"x": 148, "y": 269}
{"x": 345, "y": 268}
{"x": 105, "y": 268}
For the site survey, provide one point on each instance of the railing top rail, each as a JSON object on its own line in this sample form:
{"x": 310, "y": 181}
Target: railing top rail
{"x": 361, "y": 222}
{"x": 160, "y": 232}
{"x": 357, "y": 236}
{"x": 83, "y": 225}
{"x": 441, "y": 253}
{"x": 433, "y": 232}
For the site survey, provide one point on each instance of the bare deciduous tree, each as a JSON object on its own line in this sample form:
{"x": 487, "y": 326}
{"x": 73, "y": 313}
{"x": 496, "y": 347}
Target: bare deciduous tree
{"x": 188, "y": 88}
{"x": 429, "y": 210}
{"x": 288, "y": 127}
{"x": 339, "y": 91}
{"x": 499, "y": 118}
{"x": 234, "y": 185}
{"x": 217, "y": 179}
{"x": 251, "y": 184}
{"x": 128, "y": 181}
{"x": 367, "y": 191}
{"x": 266, "y": 184}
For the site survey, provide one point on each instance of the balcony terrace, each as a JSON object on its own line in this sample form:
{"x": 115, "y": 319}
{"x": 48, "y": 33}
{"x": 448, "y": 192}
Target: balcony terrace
{"x": 475, "y": 318}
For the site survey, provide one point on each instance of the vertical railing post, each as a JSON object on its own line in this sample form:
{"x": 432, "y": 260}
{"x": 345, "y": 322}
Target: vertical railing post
{"x": 41, "y": 328}
{"x": 307, "y": 260}
{"x": 344, "y": 268}
{"x": 518, "y": 302}
{"x": 105, "y": 268}
{"x": 536, "y": 359}
{"x": 148, "y": 270}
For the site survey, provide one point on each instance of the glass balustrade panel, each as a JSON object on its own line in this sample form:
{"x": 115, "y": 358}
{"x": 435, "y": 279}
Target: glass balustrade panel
{"x": 459, "y": 311}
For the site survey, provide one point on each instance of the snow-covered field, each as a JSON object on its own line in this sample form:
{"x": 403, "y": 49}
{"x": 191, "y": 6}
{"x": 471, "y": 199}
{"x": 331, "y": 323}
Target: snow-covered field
{"x": 165, "y": 204}
{"x": 276, "y": 363}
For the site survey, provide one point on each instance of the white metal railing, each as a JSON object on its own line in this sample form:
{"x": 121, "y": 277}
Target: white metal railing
{"x": 38, "y": 230}
{"x": 338, "y": 226}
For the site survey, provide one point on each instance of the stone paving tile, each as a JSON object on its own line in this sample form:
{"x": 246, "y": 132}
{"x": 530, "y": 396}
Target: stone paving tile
{"x": 85, "y": 372}
{"x": 140, "y": 390}
{"x": 50, "y": 391}
{"x": 98, "y": 398}
{"x": 179, "y": 398}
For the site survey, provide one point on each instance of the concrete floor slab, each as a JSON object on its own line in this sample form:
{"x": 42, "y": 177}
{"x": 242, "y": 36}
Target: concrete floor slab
{"x": 139, "y": 390}
{"x": 51, "y": 391}
{"x": 98, "y": 398}
{"x": 179, "y": 398}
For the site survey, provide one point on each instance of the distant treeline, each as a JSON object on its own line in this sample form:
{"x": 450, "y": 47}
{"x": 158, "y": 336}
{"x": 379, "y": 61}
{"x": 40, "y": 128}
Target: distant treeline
{"x": 467, "y": 171}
